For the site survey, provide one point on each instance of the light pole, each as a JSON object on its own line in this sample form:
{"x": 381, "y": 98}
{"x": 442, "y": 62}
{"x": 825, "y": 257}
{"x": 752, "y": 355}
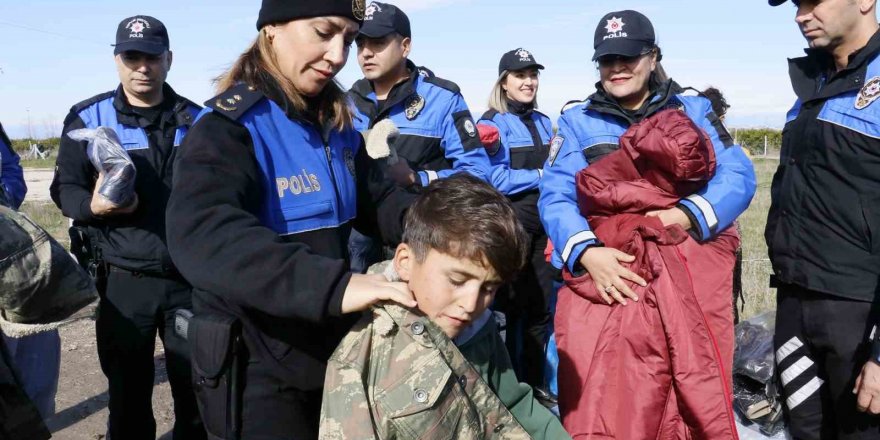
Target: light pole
{"x": 30, "y": 133}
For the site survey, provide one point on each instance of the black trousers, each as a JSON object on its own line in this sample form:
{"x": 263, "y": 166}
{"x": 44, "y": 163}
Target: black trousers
{"x": 525, "y": 303}
{"x": 274, "y": 410}
{"x": 133, "y": 308}
{"x": 822, "y": 343}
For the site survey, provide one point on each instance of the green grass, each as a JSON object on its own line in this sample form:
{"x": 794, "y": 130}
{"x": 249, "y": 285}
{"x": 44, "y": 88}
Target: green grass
{"x": 49, "y": 217}
{"x": 38, "y": 163}
{"x": 756, "y": 269}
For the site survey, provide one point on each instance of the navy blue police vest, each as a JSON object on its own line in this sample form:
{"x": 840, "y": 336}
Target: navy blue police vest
{"x": 308, "y": 178}
{"x": 103, "y": 114}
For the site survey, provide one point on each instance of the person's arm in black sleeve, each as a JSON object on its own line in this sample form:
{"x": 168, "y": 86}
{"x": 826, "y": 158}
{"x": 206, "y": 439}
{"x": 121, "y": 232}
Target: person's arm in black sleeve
{"x": 220, "y": 246}
{"x": 381, "y": 203}
{"x": 75, "y": 177}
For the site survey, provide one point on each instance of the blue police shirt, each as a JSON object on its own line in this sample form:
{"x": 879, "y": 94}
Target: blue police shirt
{"x": 438, "y": 136}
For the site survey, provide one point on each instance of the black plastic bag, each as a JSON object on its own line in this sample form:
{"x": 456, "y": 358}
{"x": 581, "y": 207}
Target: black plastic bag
{"x": 755, "y": 392}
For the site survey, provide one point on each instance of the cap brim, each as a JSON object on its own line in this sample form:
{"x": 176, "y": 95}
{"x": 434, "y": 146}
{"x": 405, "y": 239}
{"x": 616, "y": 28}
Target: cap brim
{"x": 376, "y": 32}
{"x": 620, "y": 46}
{"x": 524, "y": 67}
{"x": 529, "y": 66}
{"x": 776, "y": 2}
{"x": 140, "y": 46}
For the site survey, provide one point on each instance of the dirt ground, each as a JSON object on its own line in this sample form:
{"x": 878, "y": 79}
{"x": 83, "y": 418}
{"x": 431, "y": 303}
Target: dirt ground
{"x": 38, "y": 181}
{"x": 81, "y": 402}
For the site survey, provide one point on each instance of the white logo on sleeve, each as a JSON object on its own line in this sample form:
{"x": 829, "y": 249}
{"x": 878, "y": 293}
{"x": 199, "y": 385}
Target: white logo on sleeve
{"x": 555, "y": 146}
{"x": 470, "y": 129}
{"x": 869, "y": 93}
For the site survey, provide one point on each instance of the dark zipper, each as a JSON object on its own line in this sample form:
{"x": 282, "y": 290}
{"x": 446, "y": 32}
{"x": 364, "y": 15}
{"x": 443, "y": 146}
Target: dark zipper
{"x": 328, "y": 153}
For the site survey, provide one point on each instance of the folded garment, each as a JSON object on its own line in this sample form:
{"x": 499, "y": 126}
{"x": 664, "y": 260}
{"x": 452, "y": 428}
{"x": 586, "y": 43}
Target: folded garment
{"x": 40, "y": 283}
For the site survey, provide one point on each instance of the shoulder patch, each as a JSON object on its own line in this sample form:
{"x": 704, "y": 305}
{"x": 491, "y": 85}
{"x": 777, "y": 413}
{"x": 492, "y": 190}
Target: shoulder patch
{"x": 541, "y": 113}
{"x": 489, "y": 115}
{"x": 440, "y": 82}
{"x": 571, "y": 104}
{"x": 467, "y": 131}
{"x": 80, "y": 106}
{"x": 869, "y": 93}
{"x": 234, "y": 102}
{"x": 188, "y": 104}
{"x": 413, "y": 106}
{"x": 555, "y": 146}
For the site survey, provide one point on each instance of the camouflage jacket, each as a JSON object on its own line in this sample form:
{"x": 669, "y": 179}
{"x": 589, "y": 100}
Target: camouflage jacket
{"x": 396, "y": 375}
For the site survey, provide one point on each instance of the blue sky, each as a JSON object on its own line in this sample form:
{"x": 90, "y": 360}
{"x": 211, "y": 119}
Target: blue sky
{"x": 54, "y": 53}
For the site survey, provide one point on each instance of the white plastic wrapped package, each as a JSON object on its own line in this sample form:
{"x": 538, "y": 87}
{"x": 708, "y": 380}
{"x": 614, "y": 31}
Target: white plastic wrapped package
{"x": 107, "y": 155}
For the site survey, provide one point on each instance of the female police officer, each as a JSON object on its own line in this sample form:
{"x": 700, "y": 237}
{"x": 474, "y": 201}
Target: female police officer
{"x": 517, "y": 157}
{"x": 632, "y": 86}
{"x": 271, "y": 177}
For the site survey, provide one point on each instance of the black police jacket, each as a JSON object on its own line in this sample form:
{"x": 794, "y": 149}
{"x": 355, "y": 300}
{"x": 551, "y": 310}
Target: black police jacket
{"x": 286, "y": 287}
{"x": 133, "y": 241}
{"x": 823, "y": 228}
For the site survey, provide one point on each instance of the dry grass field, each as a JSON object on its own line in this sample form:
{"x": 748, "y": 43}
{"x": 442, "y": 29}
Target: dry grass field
{"x": 759, "y": 297}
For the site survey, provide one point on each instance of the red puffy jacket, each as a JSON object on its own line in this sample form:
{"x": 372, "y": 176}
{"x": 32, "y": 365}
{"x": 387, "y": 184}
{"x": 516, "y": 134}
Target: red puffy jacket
{"x": 658, "y": 368}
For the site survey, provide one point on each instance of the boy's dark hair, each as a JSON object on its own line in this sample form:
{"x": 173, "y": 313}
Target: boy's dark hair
{"x": 466, "y": 217}
{"x": 719, "y": 104}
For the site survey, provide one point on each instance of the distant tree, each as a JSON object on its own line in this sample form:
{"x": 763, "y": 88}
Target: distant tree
{"x": 753, "y": 139}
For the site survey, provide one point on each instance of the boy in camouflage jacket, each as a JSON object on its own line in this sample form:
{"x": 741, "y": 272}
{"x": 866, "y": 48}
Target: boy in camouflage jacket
{"x": 442, "y": 371}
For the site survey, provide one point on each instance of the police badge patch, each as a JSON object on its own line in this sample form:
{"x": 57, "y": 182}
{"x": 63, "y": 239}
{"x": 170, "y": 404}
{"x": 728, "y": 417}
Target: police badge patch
{"x": 349, "y": 160}
{"x": 555, "y": 146}
{"x": 414, "y": 105}
{"x": 470, "y": 128}
{"x": 869, "y": 93}
{"x": 358, "y": 7}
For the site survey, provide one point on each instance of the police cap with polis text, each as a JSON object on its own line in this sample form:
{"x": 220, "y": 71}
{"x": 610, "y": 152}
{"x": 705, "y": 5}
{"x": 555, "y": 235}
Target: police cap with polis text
{"x": 282, "y": 11}
{"x": 625, "y": 33}
{"x": 517, "y": 59}
{"x": 141, "y": 33}
{"x": 382, "y": 19}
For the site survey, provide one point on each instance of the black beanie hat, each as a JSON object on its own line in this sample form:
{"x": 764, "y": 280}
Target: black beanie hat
{"x": 282, "y": 11}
